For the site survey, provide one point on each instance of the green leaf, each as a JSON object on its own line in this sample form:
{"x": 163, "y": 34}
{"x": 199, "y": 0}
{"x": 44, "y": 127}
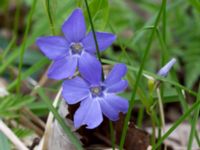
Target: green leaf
{"x": 192, "y": 62}
{"x": 38, "y": 108}
{"x": 3, "y": 4}
{"x": 21, "y": 132}
{"x": 117, "y": 9}
{"x": 30, "y": 57}
{"x": 34, "y": 68}
{"x": 11, "y": 104}
{"x": 195, "y": 4}
{"x": 60, "y": 120}
{"x": 99, "y": 10}
{"x": 4, "y": 143}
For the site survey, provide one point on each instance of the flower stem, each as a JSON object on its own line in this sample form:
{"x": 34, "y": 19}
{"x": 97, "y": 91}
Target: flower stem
{"x": 99, "y": 57}
{"x": 194, "y": 122}
{"x": 162, "y": 115}
{"x": 177, "y": 123}
{"x": 16, "y": 18}
{"x": 112, "y": 134}
{"x": 48, "y": 9}
{"x": 94, "y": 35}
{"x": 157, "y": 77}
{"x": 153, "y": 137}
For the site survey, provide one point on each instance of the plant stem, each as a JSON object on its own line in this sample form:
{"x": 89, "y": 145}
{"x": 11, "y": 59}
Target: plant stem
{"x": 153, "y": 136}
{"x": 162, "y": 115}
{"x": 48, "y": 9}
{"x": 161, "y": 109}
{"x": 127, "y": 118}
{"x": 17, "y": 14}
{"x": 112, "y": 134}
{"x": 99, "y": 57}
{"x": 194, "y": 123}
{"x": 140, "y": 116}
{"x": 22, "y": 49}
{"x": 155, "y": 76}
{"x": 8, "y": 48}
{"x": 178, "y": 88}
{"x": 93, "y": 31}
{"x": 44, "y": 78}
{"x": 177, "y": 123}
{"x": 164, "y": 22}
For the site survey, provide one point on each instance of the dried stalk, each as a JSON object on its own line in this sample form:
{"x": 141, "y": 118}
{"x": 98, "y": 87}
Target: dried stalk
{"x": 34, "y": 118}
{"x": 26, "y": 122}
{"x": 11, "y": 136}
{"x": 44, "y": 142}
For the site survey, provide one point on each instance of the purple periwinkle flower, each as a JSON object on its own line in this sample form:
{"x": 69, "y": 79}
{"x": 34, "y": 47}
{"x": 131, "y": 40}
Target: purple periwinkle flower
{"x": 75, "y": 49}
{"x": 96, "y": 97}
{"x": 165, "y": 69}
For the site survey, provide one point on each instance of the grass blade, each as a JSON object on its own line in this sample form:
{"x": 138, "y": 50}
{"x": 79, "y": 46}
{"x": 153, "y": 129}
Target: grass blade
{"x": 176, "y": 124}
{"x": 22, "y": 49}
{"x": 194, "y": 123}
{"x": 67, "y": 129}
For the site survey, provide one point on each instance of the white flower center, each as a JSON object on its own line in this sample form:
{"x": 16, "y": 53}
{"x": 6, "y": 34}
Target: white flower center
{"x": 76, "y": 48}
{"x": 96, "y": 91}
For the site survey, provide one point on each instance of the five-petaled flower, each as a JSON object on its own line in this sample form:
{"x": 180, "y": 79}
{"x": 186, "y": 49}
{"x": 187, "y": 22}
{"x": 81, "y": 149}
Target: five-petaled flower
{"x": 75, "y": 49}
{"x": 96, "y": 97}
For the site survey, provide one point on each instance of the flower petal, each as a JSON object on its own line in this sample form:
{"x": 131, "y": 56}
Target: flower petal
{"x": 90, "y": 68}
{"x": 117, "y": 102}
{"x": 108, "y": 110}
{"x": 74, "y": 27}
{"x": 75, "y": 90}
{"x": 104, "y": 41}
{"x": 63, "y": 68}
{"x": 112, "y": 104}
{"x": 115, "y": 75}
{"x": 89, "y": 113}
{"x": 117, "y": 87}
{"x": 165, "y": 69}
{"x": 53, "y": 46}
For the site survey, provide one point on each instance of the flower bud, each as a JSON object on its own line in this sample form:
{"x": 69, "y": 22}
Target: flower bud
{"x": 165, "y": 69}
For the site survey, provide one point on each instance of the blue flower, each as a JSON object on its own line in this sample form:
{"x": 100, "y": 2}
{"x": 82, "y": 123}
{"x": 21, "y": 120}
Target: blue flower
{"x": 165, "y": 69}
{"x": 96, "y": 97}
{"x": 75, "y": 49}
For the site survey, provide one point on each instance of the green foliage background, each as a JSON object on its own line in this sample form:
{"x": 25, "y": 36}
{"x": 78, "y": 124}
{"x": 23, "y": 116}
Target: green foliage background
{"x": 131, "y": 21}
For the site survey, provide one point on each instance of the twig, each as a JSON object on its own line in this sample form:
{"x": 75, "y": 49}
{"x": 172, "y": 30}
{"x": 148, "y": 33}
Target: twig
{"x": 11, "y": 136}
{"x": 33, "y": 117}
{"x": 26, "y": 122}
{"x": 44, "y": 78}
